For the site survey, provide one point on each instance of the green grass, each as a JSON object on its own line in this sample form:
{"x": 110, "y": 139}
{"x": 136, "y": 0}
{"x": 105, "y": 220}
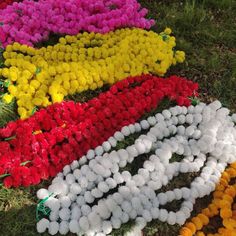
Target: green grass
{"x": 206, "y": 31}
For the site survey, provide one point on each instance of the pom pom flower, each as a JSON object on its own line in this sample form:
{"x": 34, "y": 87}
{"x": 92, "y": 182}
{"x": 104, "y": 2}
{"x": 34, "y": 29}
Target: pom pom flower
{"x": 40, "y": 77}
{"x": 134, "y": 195}
{"x": 39, "y": 147}
{"x": 30, "y": 22}
{"x": 221, "y": 205}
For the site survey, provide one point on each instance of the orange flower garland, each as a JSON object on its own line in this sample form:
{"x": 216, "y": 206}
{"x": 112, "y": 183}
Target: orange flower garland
{"x": 222, "y": 205}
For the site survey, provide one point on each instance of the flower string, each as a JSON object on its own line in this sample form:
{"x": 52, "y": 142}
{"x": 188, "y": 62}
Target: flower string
{"x": 30, "y": 22}
{"x": 82, "y": 62}
{"x": 223, "y": 205}
{"x": 98, "y": 193}
{"x": 61, "y": 133}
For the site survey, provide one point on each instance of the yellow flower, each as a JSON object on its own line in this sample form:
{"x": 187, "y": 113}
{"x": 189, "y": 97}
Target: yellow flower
{"x": 7, "y": 98}
{"x": 12, "y": 89}
{"x": 86, "y": 61}
{"x": 167, "y": 31}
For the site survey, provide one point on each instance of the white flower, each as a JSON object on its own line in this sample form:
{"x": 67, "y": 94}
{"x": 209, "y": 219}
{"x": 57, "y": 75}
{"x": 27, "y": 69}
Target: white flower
{"x": 106, "y": 227}
{"x": 66, "y": 170}
{"x": 140, "y": 147}
{"x": 125, "y": 131}
{"x": 118, "y": 198}
{"x": 163, "y": 215}
{"x": 80, "y": 200}
{"x": 64, "y": 227}
{"x": 126, "y": 206}
{"x": 84, "y": 223}
{"x": 171, "y": 218}
{"x": 180, "y": 217}
{"x": 118, "y": 178}
{"x": 90, "y": 154}
{"x": 116, "y": 223}
{"x": 54, "y": 215}
{"x": 125, "y": 217}
{"x": 75, "y": 213}
{"x": 96, "y": 193}
{"x": 94, "y": 220}
{"x": 133, "y": 214}
{"x": 65, "y": 201}
{"x": 74, "y": 165}
{"x": 64, "y": 214}
{"x": 137, "y": 127}
{"x": 42, "y": 193}
{"x": 139, "y": 180}
{"x": 59, "y": 188}
{"x": 42, "y": 225}
{"x": 74, "y": 226}
{"x": 112, "y": 141}
{"x": 204, "y": 136}
{"x": 155, "y": 213}
{"x": 53, "y": 228}
{"x": 144, "y": 124}
{"x": 147, "y": 216}
{"x": 103, "y": 211}
{"x": 151, "y": 120}
{"x": 132, "y": 128}
{"x": 119, "y": 136}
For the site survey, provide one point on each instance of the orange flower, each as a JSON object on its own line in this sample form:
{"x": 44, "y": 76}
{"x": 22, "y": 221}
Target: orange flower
{"x": 192, "y": 227}
{"x": 197, "y": 221}
{"x": 218, "y": 194}
{"x": 225, "y": 213}
{"x": 216, "y": 201}
{"x": 204, "y": 219}
{"x": 229, "y": 223}
{"x": 224, "y": 182}
{"x": 206, "y": 212}
{"x": 232, "y": 172}
{"x": 233, "y": 165}
{"x": 213, "y": 209}
{"x": 185, "y": 232}
{"x": 230, "y": 191}
{"x": 220, "y": 188}
{"x": 228, "y": 198}
{"x": 224, "y": 204}
{"x": 226, "y": 176}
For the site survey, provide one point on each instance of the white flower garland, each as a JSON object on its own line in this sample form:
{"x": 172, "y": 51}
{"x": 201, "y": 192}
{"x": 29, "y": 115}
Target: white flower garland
{"x": 204, "y": 135}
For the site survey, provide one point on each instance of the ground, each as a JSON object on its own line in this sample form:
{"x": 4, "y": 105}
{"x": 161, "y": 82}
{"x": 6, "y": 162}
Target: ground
{"x": 206, "y": 31}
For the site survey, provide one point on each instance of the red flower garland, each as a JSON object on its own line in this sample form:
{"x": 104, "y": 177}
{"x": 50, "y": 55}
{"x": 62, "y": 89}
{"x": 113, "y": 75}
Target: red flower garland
{"x": 39, "y": 147}
{"x": 5, "y": 3}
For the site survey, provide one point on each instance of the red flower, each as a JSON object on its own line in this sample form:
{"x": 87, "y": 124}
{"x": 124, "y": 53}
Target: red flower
{"x": 68, "y": 130}
{"x": 8, "y": 182}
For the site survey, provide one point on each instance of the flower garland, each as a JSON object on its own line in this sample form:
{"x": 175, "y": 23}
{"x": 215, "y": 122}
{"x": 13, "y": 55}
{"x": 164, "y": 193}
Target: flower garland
{"x": 204, "y": 135}
{"x": 42, "y": 145}
{"x": 30, "y": 22}
{"x": 5, "y": 3}
{"x": 39, "y": 77}
{"x": 222, "y": 205}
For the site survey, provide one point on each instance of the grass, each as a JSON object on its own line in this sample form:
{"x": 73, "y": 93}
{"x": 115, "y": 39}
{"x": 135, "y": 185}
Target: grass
{"x": 205, "y": 30}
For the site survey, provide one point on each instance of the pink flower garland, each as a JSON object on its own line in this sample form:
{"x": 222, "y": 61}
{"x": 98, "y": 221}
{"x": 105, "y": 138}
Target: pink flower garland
{"x": 30, "y": 22}
{"x": 39, "y": 147}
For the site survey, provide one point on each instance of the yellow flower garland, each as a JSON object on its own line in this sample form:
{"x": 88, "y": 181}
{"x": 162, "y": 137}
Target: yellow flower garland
{"x": 39, "y": 77}
{"x": 222, "y": 205}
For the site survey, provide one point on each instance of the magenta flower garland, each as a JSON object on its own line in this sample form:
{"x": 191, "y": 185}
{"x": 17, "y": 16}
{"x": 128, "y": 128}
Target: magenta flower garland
{"x": 29, "y": 22}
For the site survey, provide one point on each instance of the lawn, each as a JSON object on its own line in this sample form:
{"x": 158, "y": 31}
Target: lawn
{"x": 206, "y": 31}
